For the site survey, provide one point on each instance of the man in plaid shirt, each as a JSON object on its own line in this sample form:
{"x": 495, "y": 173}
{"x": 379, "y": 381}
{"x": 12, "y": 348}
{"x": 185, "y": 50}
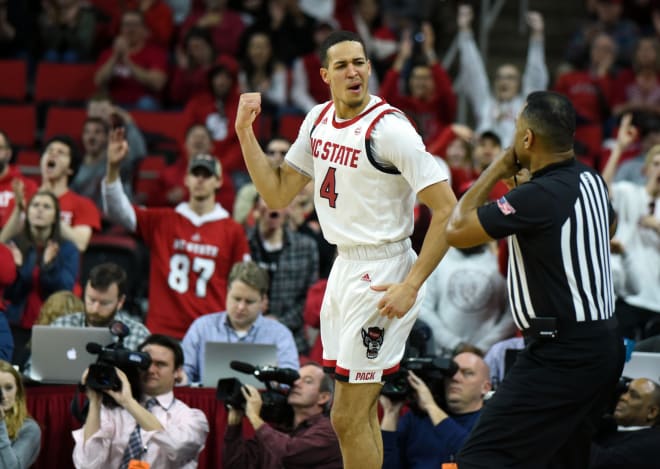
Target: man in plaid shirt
{"x": 292, "y": 262}
{"x": 104, "y": 296}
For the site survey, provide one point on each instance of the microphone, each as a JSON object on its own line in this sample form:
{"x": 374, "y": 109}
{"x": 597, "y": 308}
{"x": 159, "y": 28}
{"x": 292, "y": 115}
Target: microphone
{"x": 267, "y": 373}
{"x": 94, "y": 348}
{"x": 242, "y": 367}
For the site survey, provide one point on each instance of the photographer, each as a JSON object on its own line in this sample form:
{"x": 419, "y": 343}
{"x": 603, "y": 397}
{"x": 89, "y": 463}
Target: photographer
{"x": 431, "y": 436}
{"x": 311, "y": 442}
{"x": 163, "y": 431}
{"x": 634, "y": 445}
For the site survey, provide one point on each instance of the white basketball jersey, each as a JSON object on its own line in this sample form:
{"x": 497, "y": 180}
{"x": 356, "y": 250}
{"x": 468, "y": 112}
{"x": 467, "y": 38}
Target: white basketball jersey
{"x": 366, "y": 171}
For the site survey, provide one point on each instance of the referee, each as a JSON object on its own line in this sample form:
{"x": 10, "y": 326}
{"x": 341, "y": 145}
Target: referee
{"x": 560, "y": 290}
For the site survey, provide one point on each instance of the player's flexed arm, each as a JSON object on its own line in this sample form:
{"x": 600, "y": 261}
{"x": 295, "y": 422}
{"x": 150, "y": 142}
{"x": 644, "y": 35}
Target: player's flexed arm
{"x": 277, "y": 186}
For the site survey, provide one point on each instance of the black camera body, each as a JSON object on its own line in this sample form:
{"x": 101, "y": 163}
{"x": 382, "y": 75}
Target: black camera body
{"x": 275, "y": 407}
{"x": 431, "y": 370}
{"x": 102, "y": 375}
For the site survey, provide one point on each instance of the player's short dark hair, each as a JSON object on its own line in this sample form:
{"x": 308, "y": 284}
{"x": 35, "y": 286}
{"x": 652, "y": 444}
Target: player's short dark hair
{"x": 102, "y": 276}
{"x": 73, "y": 152}
{"x": 167, "y": 342}
{"x": 551, "y": 117}
{"x": 334, "y": 38}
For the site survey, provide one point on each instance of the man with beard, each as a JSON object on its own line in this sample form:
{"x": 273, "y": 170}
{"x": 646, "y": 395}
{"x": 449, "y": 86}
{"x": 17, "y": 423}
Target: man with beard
{"x": 193, "y": 246}
{"x": 105, "y": 293}
{"x": 7, "y": 174}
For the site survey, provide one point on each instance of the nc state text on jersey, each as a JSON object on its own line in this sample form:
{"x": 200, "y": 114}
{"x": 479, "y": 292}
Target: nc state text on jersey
{"x": 195, "y": 248}
{"x": 335, "y": 153}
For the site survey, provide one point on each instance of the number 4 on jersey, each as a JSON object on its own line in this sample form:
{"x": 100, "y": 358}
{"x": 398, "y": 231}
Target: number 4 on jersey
{"x": 328, "y": 188}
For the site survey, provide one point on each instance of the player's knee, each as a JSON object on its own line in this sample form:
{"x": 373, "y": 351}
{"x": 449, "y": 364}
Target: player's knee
{"x": 342, "y": 421}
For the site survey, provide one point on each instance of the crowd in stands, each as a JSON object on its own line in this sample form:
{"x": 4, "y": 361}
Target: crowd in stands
{"x": 149, "y": 163}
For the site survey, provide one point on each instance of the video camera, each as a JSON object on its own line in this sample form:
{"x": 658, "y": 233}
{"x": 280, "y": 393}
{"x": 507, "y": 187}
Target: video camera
{"x": 431, "y": 370}
{"x": 102, "y": 374}
{"x": 275, "y": 407}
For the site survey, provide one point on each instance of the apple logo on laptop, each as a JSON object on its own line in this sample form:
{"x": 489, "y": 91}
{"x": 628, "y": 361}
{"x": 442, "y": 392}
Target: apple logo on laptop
{"x": 71, "y": 354}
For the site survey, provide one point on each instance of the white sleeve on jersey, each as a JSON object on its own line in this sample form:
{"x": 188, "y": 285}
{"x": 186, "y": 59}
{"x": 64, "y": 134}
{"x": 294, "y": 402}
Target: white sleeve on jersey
{"x": 299, "y": 155}
{"x": 397, "y": 144}
{"x": 117, "y": 206}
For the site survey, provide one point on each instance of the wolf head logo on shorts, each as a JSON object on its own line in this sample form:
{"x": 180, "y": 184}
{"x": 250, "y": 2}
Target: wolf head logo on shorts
{"x": 372, "y": 338}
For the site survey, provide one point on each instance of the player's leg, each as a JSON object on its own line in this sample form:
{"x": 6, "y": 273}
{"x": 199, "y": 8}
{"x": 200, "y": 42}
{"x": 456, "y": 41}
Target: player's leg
{"x": 354, "y": 411}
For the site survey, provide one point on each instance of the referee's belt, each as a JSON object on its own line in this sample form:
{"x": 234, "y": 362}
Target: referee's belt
{"x": 553, "y": 328}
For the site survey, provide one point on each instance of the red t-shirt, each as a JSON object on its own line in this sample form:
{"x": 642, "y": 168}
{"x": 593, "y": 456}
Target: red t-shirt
{"x": 78, "y": 210}
{"x": 190, "y": 261}
{"x": 124, "y": 88}
{"x": 7, "y": 193}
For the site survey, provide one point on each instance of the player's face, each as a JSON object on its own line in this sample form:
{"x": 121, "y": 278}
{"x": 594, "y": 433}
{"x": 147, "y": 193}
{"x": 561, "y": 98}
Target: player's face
{"x": 202, "y": 184}
{"x": 305, "y": 390}
{"x": 102, "y": 305}
{"x": 348, "y": 77}
{"x": 244, "y": 304}
{"x": 161, "y": 375}
{"x": 41, "y": 211}
{"x": 9, "y": 388}
{"x": 56, "y": 161}
{"x": 468, "y": 386}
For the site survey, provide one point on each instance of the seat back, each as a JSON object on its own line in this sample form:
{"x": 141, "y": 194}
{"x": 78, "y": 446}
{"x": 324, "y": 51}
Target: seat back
{"x": 19, "y": 122}
{"x": 64, "y": 121}
{"x": 64, "y": 83}
{"x": 14, "y": 80}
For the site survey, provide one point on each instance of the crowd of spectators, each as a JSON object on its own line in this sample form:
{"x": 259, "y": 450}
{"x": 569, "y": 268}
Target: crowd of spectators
{"x": 202, "y": 219}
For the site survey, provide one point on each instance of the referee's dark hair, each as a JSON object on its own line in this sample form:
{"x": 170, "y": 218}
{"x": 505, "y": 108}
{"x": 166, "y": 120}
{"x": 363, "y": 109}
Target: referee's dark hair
{"x": 551, "y": 117}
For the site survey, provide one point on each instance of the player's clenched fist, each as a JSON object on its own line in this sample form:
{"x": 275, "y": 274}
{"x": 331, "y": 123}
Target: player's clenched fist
{"x": 249, "y": 107}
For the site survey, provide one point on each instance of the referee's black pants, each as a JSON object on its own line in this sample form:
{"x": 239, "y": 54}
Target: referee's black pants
{"x": 545, "y": 411}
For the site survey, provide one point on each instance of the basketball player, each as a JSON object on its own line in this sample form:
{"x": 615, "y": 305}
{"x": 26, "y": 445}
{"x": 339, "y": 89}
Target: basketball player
{"x": 368, "y": 164}
{"x": 193, "y": 246}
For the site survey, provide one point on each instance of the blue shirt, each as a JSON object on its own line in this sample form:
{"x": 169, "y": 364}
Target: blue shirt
{"x": 418, "y": 444}
{"x": 215, "y": 328}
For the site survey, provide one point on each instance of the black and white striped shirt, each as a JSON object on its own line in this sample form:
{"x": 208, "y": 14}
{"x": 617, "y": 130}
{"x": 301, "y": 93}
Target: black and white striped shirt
{"x": 559, "y": 254}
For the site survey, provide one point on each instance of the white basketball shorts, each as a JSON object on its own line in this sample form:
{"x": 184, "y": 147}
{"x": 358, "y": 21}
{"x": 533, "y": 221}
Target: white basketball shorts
{"x": 360, "y": 345}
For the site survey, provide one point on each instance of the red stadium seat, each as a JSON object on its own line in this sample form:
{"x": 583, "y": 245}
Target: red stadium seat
{"x": 145, "y": 185}
{"x": 64, "y": 83}
{"x": 64, "y": 121}
{"x": 19, "y": 122}
{"x": 27, "y": 162}
{"x": 14, "y": 80}
{"x": 290, "y": 125}
{"x": 167, "y": 125}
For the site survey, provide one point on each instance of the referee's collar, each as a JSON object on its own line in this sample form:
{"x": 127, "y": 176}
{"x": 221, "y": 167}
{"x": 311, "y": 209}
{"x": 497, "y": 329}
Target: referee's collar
{"x": 551, "y": 167}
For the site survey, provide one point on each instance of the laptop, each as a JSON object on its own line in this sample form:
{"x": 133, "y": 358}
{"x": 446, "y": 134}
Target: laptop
{"x": 218, "y": 355}
{"x": 643, "y": 365}
{"x": 59, "y": 354}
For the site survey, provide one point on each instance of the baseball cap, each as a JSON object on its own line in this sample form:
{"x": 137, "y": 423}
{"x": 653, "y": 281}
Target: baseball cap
{"x": 208, "y": 162}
